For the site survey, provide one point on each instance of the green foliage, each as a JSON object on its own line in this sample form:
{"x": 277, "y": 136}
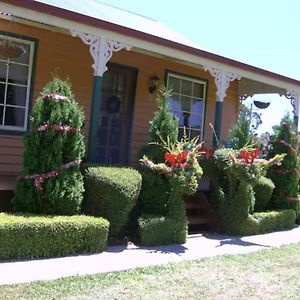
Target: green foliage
{"x": 163, "y": 125}
{"x": 156, "y": 230}
{"x": 264, "y": 222}
{"x": 28, "y": 236}
{"x": 263, "y": 190}
{"x": 286, "y": 176}
{"x": 155, "y": 193}
{"x": 112, "y": 193}
{"x": 169, "y": 229}
{"x": 182, "y": 172}
{"x": 47, "y": 151}
{"x": 233, "y": 197}
{"x": 156, "y": 189}
{"x": 241, "y": 133}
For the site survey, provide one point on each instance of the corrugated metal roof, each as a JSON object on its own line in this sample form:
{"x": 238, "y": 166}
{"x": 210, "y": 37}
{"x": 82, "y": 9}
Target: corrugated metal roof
{"x": 111, "y": 14}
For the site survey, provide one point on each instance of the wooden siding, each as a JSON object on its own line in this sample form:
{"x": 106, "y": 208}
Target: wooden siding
{"x": 70, "y": 58}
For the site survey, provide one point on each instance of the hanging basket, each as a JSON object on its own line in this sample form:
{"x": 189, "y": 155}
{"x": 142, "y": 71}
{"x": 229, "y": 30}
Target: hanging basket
{"x": 261, "y": 105}
{"x": 9, "y": 49}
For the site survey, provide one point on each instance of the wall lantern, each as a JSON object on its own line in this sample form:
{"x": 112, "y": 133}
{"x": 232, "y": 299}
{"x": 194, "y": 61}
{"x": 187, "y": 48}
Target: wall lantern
{"x": 9, "y": 49}
{"x": 154, "y": 83}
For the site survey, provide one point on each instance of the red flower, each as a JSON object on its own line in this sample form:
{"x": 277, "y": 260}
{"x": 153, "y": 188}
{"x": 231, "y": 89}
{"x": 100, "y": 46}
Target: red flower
{"x": 181, "y": 157}
{"x": 171, "y": 158}
{"x": 176, "y": 160}
{"x": 249, "y": 156}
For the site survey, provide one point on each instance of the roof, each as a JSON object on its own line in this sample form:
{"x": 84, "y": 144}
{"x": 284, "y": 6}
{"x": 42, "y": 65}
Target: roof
{"x": 124, "y": 18}
{"x": 99, "y": 15}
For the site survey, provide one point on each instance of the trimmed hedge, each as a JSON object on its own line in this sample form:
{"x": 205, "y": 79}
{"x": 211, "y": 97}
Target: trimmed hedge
{"x": 263, "y": 190}
{"x": 155, "y": 193}
{"x": 29, "y": 236}
{"x": 156, "y": 230}
{"x": 163, "y": 230}
{"x": 112, "y": 193}
{"x": 264, "y": 222}
{"x": 233, "y": 197}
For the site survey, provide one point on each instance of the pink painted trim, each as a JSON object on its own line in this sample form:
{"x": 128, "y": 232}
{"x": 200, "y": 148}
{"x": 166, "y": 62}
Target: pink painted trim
{"x": 66, "y": 14}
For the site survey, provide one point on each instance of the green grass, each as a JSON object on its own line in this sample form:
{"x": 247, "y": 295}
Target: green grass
{"x": 269, "y": 274}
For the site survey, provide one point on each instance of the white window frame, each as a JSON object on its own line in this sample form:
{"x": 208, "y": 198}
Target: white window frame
{"x": 31, "y": 44}
{"x": 192, "y": 79}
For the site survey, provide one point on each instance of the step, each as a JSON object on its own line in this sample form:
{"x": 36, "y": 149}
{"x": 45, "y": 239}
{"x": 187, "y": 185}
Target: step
{"x": 195, "y": 204}
{"x": 195, "y": 220}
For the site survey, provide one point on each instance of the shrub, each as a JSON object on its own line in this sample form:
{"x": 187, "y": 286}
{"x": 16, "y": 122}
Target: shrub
{"x": 155, "y": 193}
{"x": 160, "y": 230}
{"x": 112, "y": 193}
{"x": 51, "y": 181}
{"x": 286, "y": 176}
{"x": 28, "y": 236}
{"x": 263, "y": 190}
{"x": 264, "y": 222}
{"x": 233, "y": 180}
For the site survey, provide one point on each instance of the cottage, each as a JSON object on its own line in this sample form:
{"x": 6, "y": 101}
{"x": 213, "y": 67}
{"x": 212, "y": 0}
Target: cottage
{"x": 115, "y": 60}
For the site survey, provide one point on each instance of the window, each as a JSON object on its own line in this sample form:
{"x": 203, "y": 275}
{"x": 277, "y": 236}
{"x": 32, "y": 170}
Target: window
{"x": 188, "y": 103}
{"x": 15, "y": 79}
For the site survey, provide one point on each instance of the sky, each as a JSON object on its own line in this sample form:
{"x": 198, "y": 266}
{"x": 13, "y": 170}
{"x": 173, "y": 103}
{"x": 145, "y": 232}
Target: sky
{"x": 263, "y": 33}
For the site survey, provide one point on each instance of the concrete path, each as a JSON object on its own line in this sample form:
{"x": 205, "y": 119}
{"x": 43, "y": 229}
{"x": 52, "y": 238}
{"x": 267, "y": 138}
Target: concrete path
{"x": 119, "y": 258}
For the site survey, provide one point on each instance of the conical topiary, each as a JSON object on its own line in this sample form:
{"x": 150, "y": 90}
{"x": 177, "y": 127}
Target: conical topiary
{"x": 51, "y": 182}
{"x": 163, "y": 126}
{"x": 156, "y": 188}
{"x": 286, "y": 176}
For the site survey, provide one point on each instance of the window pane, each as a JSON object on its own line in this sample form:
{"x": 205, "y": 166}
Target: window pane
{"x": 195, "y": 121}
{"x": 174, "y": 103}
{"x": 197, "y": 106}
{"x": 3, "y": 67}
{"x": 174, "y": 84}
{"x": 1, "y": 114}
{"x": 121, "y": 83}
{"x": 194, "y": 133}
{"x": 186, "y": 103}
{"x": 101, "y": 155}
{"x": 186, "y": 119}
{"x": 114, "y": 156}
{"x": 24, "y": 58}
{"x": 186, "y": 87}
{"x": 17, "y": 74}
{"x": 198, "y": 90}
{"x": 102, "y": 134}
{"x": 2, "y": 92}
{"x": 16, "y": 95}
{"x": 115, "y": 138}
{"x": 180, "y": 117}
{"x": 14, "y": 116}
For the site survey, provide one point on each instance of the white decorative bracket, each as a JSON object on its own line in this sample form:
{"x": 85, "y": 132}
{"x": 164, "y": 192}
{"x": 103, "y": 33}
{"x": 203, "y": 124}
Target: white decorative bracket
{"x": 294, "y": 97}
{"x": 222, "y": 80}
{"x": 101, "y": 49}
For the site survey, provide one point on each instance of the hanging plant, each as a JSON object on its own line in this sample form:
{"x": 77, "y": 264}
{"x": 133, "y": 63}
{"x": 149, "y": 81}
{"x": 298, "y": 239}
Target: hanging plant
{"x": 9, "y": 49}
{"x": 261, "y": 105}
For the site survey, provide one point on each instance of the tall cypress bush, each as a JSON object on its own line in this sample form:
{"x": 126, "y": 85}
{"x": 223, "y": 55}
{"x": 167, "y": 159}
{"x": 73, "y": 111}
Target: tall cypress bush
{"x": 156, "y": 188}
{"x": 286, "y": 176}
{"x": 51, "y": 182}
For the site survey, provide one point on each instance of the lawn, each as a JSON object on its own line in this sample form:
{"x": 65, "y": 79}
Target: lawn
{"x": 269, "y": 274}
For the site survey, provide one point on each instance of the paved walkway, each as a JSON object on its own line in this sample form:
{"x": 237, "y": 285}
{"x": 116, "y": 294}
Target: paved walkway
{"x": 119, "y": 258}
